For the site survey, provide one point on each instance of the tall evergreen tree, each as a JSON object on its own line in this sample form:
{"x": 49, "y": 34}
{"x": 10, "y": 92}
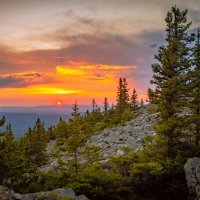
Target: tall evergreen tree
{"x": 170, "y": 77}
{"x": 75, "y": 114}
{"x": 35, "y": 142}
{"x": 134, "y": 99}
{"x": 151, "y": 95}
{"x": 122, "y": 96}
{"x": 142, "y": 103}
{"x": 194, "y": 103}
{"x": 94, "y": 105}
{"x": 106, "y": 105}
{"x": 11, "y": 158}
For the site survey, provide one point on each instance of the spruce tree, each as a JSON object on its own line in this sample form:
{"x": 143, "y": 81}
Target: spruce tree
{"x": 134, "y": 100}
{"x": 170, "y": 77}
{"x": 35, "y": 142}
{"x": 151, "y": 95}
{"x": 105, "y": 105}
{"x": 194, "y": 103}
{"x": 142, "y": 103}
{"x": 122, "y": 96}
{"x": 93, "y": 105}
{"x": 75, "y": 114}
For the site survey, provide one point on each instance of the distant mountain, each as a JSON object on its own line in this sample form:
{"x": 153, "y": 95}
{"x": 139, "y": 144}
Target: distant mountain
{"x": 64, "y": 109}
{"x": 21, "y": 118}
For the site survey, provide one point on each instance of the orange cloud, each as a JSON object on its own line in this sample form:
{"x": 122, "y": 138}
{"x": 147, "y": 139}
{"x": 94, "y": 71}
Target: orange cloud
{"x": 108, "y": 67}
{"x": 68, "y": 71}
{"x": 50, "y": 90}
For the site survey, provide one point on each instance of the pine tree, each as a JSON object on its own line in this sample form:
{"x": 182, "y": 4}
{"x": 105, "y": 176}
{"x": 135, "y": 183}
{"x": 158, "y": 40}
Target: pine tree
{"x": 93, "y": 105}
{"x": 134, "y": 99}
{"x": 194, "y": 103}
{"x": 151, "y": 95}
{"x": 35, "y": 142}
{"x": 122, "y": 96}
{"x": 142, "y": 103}
{"x": 106, "y": 105}
{"x": 75, "y": 114}
{"x": 11, "y": 158}
{"x": 125, "y": 90}
{"x": 2, "y": 121}
{"x": 170, "y": 77}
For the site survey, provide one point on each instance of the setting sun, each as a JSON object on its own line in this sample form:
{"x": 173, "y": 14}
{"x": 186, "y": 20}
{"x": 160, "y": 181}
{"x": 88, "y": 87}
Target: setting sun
{"x": 58, "y": 103}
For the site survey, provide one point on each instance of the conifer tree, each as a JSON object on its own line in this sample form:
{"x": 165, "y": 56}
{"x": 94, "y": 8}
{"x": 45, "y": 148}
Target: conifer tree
{"x": 75, "y": 114}
{"x": 170, "y": 77}
{"x": 11, "y": 158}
{"x": 122, "y": 96}
{"x": 93, "y": 105}
{"x": 194, "y": 103}
{"x": 142, "y": 103}
{"x": 151, "y": 95}
{"x": 106, "y": 105}
{"x": 134, "y": 99}
{"x": 35, "y": 142}
{"x": 2, "y": 121}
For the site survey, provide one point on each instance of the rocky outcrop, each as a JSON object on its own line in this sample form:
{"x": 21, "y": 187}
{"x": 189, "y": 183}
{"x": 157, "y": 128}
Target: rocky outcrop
{"x": 192, "y": 173}
{"x": 57, "y": 194}
{"x": 132, "y": 134}
{"x": 112, "y": 140}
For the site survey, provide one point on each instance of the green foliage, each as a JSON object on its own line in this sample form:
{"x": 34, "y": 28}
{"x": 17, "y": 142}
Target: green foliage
{"x": 52, "y": 196}
{"x": 127, "y": 115}
{"x": 134, "y": 100}
{"x": 11, "y": 158}
{"x": 194, "y": 101}
{"x": 170, "y": 77}
{"x": 122, "y": 97}
{"x": 123, "y": 164}
{"x": 98, "y": 182}
{"x": 35, "y": 143}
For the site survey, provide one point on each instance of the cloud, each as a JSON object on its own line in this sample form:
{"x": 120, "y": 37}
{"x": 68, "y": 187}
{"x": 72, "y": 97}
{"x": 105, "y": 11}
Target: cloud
{"x": 21, "y": 80}
{"x": 196, "y": 15}
{"x": 154, "y": 45}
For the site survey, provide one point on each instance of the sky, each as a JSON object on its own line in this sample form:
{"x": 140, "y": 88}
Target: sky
{"x": 68, "y": 50}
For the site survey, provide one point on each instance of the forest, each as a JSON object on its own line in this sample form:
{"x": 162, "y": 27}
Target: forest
{"x": 156, "y": 172}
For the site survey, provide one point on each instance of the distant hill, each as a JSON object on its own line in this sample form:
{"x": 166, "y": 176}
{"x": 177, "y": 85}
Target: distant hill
{"x": 21, "y": 118}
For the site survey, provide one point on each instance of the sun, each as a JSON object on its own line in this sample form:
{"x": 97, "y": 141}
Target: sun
{"x": 58, "y": 103}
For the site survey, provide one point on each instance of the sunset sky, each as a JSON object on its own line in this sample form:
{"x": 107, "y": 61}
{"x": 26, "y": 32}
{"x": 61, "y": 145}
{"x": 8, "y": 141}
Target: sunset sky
{"x": 67, "y": 50}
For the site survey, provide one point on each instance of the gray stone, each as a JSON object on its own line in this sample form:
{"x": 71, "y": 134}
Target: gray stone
{"x": 17, "y": 196}
{"x": 64, "y": 192}
{"x": 192, "y": 173}
{"x": 81, "y": 197}
{"x": 30, "y": 196}
{"x": 132, "y": 134}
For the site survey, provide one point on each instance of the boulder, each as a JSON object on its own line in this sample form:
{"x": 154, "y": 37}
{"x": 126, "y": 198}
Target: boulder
{"x": 192, "y": 173}
{"x": 6, "y": 193}
{"x": 64, "y": 192}
{"x": 17, "y": 196}
{"x": 81, "y": 197}
{"x": 30, "y": 196}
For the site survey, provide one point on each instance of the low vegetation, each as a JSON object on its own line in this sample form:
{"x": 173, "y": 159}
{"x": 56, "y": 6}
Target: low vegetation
{"x": 156, "y": 172}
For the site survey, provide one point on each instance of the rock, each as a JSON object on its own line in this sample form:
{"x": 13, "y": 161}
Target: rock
{"x": 17, "y": 196}
{"x": 120, "y": 152}
{"x": 132, "y": 134}
{"x": 4, "y": 197}
{"x": 6, "y": 193}
{"x": 192, "y": 173}
{"x": 30, "y": 196}
{"x": 111, "y": 140}
{"x": 81, "y": 197}
{"x": 64, "y": 192}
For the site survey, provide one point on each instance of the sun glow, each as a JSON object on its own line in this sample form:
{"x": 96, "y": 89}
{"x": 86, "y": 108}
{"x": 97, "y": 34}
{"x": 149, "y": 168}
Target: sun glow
{"x": 51, "y": 90}
{"x": 58, "y": 103}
